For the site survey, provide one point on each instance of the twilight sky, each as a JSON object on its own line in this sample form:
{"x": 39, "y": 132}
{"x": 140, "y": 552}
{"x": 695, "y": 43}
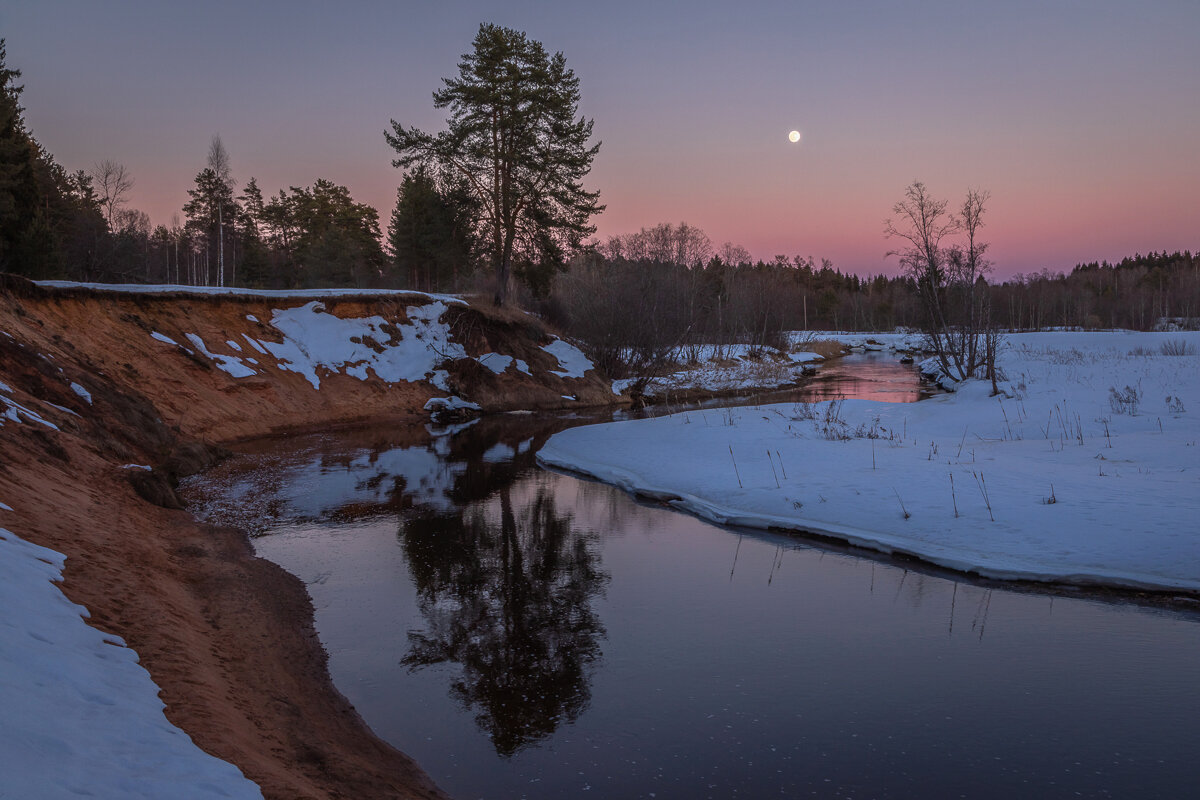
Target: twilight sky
{"x": 1082, "y": 118}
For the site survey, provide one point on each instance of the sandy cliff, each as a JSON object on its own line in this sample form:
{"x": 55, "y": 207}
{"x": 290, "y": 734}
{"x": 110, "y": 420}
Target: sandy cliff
{"x": 92, "y": 382}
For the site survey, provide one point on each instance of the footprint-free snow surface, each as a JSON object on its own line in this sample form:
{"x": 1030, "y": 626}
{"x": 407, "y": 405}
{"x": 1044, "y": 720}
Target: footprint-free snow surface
{"x": 1084, "y": 470}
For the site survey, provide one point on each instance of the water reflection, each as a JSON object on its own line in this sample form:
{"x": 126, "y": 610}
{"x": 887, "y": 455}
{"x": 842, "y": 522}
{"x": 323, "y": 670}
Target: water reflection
{"x": 527, "y": 634}
{"x": 505, "y": 581}
{"x": 506, "y": 593}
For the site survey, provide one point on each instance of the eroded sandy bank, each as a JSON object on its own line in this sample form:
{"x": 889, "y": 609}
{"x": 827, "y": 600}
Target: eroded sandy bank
{"x": 228, "y": 637}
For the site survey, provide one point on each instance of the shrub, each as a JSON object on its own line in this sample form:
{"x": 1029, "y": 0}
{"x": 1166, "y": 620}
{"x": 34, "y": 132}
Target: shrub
{"x": 1177, "y": 347}
{"x": 1124, "y": 401}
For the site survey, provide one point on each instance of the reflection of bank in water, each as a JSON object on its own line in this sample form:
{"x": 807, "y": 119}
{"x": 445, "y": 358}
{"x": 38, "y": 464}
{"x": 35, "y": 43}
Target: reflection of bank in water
{"x": 523, "y": 633}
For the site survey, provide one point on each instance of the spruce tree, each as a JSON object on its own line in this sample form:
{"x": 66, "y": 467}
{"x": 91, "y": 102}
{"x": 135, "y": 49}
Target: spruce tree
{"x": 430, "y": 235}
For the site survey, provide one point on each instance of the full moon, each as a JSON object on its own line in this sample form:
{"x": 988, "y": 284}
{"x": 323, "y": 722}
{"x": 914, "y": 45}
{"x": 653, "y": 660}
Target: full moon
{"x": 794, "y": 136}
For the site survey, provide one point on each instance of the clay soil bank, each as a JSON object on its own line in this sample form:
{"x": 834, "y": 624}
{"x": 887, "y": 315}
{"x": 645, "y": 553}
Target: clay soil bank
{"x": 227, "y": 636}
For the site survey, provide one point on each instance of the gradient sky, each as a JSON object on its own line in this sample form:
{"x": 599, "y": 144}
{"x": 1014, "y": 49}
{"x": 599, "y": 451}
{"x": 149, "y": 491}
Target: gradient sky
{"x": 1081, "y": 118}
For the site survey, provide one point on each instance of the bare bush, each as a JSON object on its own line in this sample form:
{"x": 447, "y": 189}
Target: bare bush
{"x": 1177, "y": 347}
{"x": 1124, "y": 401}
{"x": 950, "y": 280}
{"x": 631, "y": 318}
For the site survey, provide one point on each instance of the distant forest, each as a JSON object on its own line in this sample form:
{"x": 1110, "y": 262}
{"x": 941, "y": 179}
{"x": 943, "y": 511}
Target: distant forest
{"x": 56, "y": 224}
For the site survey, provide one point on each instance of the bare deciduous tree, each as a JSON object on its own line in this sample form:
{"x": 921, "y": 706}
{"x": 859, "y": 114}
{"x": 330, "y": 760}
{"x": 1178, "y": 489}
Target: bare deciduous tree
{"x": 950, "y": 279}
{"x": 113, "y": 184}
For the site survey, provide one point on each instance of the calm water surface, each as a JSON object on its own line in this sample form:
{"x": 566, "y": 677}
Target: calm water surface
{"x": 527, "y": 634}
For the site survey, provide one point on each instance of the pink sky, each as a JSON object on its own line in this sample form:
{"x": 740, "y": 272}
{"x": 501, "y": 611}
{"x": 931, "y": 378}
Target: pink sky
{"x": 1081, "y": 119}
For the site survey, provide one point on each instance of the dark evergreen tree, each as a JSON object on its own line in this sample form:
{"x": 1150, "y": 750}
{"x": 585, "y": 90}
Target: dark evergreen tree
{"x": 516, "y": 141}
{"x": 25, "y": 240}
{"x": 430, "y": 234}
{"x": 328, "y": 239}
{"x": 212, "y": 202}
{"x": 254, "y": 269}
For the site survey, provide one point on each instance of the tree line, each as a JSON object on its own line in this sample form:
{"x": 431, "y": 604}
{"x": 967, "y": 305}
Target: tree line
{"x": 497, "y": 203}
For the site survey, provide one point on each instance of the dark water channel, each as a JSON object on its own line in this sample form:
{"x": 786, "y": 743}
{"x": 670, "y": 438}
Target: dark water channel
{"x": 527, "y": 634}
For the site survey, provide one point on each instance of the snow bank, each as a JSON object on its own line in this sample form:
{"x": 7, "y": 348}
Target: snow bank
{"x": 450, "y": 404}
{"x": 81, "y": 717}
{"x": 143, "y": 288}
{"x": 1086, "y": 472}
{"x": 315, "y": 341}
{"x": 728, "y": 369}
{"x": 313, "y": 338}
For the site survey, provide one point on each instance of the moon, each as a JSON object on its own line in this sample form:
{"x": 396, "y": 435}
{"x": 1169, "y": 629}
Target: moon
{"x": 794, "y": 137}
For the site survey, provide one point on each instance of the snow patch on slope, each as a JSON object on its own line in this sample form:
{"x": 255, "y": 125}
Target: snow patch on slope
{"x": 315, "y": 339}
{"x": 571, "y": 360}
{"x": 81, "y": 716}
{"x": 231, "y": 364}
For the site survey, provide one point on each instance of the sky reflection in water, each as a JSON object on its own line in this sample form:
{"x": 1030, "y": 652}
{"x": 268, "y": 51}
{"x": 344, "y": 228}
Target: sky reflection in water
{"x": 522, "y": 633}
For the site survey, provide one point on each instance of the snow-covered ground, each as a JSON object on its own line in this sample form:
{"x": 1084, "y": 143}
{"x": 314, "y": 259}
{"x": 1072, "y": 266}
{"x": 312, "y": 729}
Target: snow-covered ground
{"x": 316, "y": 343}
{"x": 1086, "y": 470}
{"x": 725, "y": 369}
{"x": 160, "y": 288}
{"x": 81, "y": 717}
{"x": 896, "y": 341}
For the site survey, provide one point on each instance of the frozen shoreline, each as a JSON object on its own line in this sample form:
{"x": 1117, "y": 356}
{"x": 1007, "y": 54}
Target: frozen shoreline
{"x": 81, "y": 714}
{"x": 1083, "y": 488}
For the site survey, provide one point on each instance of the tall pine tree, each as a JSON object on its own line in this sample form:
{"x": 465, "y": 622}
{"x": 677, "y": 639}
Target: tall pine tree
{"x": 515, "y": 139}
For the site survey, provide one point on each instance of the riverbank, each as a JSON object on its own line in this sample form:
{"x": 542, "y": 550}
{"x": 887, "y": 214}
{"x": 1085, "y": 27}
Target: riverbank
{"x": 1083, "y": 472}
{"x": 108, "y": 396}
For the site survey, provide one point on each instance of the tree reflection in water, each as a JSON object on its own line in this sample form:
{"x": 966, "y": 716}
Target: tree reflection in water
{"x": 506, "y": 594}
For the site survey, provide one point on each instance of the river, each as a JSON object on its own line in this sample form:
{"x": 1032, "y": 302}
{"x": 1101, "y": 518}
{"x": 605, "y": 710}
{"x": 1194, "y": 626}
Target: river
{"x": 523, "y": 633}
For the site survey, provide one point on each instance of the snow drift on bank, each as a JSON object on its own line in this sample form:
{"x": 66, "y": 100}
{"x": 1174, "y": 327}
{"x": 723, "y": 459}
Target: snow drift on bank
{"x": 1085, "y": 471}
{"x": 81, "y": 717}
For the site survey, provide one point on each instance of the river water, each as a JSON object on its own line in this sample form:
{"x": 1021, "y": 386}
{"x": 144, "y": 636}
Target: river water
{"x": 522, "y": 633}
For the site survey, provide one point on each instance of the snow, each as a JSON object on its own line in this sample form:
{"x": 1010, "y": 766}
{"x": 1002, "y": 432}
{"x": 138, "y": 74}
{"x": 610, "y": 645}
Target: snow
{"x": 1089, "y": 461}
{"x": 81, "y": 716}
{"x": 142, "y": 288}
{"x": 571, "y": 360}
{"x": 726, "y": 368}
{"x": 62, "y": 408}
{"x": 452, "y": 403}
{"x": 495, "y": 362}
{"x": 254, "y": 343}
{"x": 5, "y": 507}
{"x": 315, "y": 339}
{"x": 231, "y": 364}
{"x": 498, "y": 363}
{"x": 82, "y": 392}
{"x": 899, "y": 340}
{"x": 162, "y": 337}
{"x": 15, "y": 412}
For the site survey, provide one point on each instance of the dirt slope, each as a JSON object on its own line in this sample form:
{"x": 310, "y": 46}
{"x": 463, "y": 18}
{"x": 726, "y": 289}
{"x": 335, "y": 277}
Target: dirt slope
{"x": 227, "y": 636}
